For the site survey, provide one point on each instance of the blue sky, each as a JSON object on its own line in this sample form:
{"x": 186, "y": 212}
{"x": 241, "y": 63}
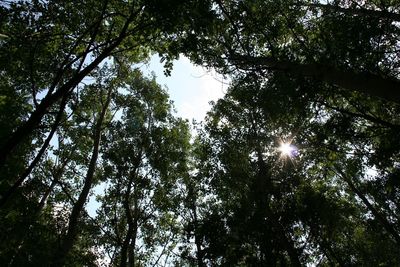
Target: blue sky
{"x": 190, "y": 87}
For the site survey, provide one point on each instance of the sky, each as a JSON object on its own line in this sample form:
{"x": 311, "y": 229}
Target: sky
{"x": 190, "y": 87}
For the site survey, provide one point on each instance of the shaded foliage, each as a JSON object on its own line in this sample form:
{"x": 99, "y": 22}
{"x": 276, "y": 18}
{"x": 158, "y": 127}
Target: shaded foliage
{"x": 95, "y": 169}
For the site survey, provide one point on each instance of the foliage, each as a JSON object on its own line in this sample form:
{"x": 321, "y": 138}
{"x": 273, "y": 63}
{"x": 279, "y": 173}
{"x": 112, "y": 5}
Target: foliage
{"x": 81, "y": 126}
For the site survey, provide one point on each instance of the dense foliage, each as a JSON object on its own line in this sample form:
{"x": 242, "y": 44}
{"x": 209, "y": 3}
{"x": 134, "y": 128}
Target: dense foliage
{"x": 298, "y": 164}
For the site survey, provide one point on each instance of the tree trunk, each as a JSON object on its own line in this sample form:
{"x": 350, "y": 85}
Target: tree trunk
{"x": 366, "y": 83}
{"x": 43, "y": 201}
{"x": 131, "y": 230}
{"x": 132, "y": 245}
{"x": 125, "y": 246}
{"x": 128, "y": 246}
{"x": 39, "y": 155}
{"x": 68, "y": 241}
{"x": 290, "y": 247}
{"x": 197, "y": 238}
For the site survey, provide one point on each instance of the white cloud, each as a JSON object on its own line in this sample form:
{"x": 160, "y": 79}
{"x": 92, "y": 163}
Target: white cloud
{"x": 190, "y": 87}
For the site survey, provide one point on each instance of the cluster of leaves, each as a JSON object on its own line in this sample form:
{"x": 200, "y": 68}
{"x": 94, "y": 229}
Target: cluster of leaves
{"x": 80, "y": 125}
{"x": 322, "y": 204}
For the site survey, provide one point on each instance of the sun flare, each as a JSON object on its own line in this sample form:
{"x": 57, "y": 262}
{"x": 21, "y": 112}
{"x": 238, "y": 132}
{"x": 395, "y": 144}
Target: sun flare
{"x": 286, "y": 149}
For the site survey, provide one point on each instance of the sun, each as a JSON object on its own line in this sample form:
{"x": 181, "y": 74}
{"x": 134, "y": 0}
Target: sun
{"x": 286, "y": 149}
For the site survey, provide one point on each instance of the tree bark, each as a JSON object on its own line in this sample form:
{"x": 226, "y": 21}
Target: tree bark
{"x": 265, "y": 185}
{"x": 367, "y": 83}
{"x": 289, "y": 244}
{"x": 68, "y": 241}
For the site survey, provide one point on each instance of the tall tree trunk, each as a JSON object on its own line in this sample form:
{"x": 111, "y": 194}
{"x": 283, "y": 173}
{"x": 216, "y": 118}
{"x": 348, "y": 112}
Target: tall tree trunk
{"x": 128, "y": 246}
{"x": 46, "y": 195}
{"x": 132, "y": 245}
{"x": 192, "y": 198}
{"x": 330, "y": 254}
{"x": 288, "y": 243}
{"x": 125, "y": 246}
{"x": 130, "y": 221}
{"x": 367, "y": 83}
{"x": 37, "y": 158}
{"x": 199, "y": 250}
{"x": 68, "y": 241}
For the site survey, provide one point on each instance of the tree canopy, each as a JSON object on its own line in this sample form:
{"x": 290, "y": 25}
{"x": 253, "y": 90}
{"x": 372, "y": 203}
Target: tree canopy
{"x": 297, "y": 165}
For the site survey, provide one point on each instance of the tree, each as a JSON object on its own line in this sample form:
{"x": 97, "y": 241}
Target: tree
{"x": 291, "y": 201}
{"x": 343, "y": 49}
{"x": 297, "y": 165}
{"x": 105, "y": 96}
{"x": 108, "y": 28}
{"x": 144, "y": 158}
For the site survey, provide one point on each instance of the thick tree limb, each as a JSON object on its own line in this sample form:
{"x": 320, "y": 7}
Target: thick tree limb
{"x": 39, "y": 155}
{"x": 366, "y": 83}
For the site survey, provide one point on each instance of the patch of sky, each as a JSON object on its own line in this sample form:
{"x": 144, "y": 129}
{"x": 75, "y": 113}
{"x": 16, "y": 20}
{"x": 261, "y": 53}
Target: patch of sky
{"x": 190, "y": 87}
